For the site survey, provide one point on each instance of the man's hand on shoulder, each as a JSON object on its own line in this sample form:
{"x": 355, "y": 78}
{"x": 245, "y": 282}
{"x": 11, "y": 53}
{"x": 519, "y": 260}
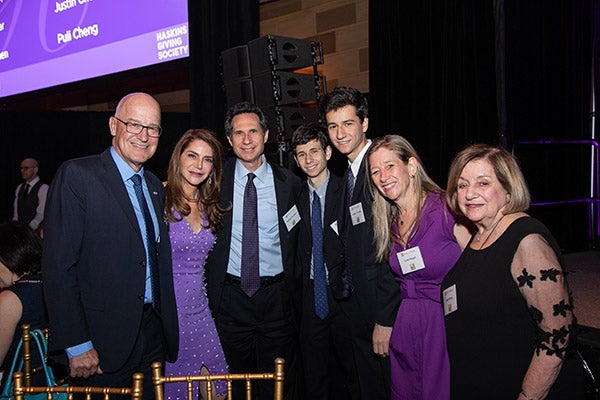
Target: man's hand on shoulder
{"x": 85, "y": 365}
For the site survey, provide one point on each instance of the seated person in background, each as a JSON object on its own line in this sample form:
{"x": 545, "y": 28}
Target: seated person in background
{"x": 22, "y": 302}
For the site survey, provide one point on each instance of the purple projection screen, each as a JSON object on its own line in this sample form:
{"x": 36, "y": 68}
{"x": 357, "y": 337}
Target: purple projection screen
{"x": 47, "y": 43}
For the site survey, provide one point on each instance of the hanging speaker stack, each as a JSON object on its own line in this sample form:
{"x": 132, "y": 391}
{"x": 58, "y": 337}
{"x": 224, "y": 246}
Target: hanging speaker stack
{"x": 265, "y": 72}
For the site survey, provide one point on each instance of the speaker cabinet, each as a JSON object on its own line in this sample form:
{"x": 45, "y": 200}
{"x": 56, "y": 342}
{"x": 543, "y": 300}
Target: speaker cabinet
{"x": 285, "y": 120}
{"x": 235, "y": 64}
{"x": 280, "y": 88}
{"x": 278, "y": 53}
{"x": 273, "y": 88}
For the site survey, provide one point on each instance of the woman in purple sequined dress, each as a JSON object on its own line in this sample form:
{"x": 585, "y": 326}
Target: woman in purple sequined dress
{"x": 192, "y": 208}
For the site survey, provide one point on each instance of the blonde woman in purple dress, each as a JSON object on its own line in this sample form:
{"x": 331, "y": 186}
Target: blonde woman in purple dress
{"x": 192, "y": 208}
{"x": 416, "y": 232}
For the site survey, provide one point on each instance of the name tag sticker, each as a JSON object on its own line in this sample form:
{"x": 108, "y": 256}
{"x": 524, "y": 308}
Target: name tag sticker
{"x": 450, "y": 300}
{"x": 291, "y": 218}
{"x": 356, "y": 214}
{"x": 334, "y": 226}
{"x": 410, "y": 260}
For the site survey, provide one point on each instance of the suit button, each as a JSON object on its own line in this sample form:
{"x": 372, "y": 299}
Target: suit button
{"x": 141, "y": 297}
{"x": 143, "y": 264}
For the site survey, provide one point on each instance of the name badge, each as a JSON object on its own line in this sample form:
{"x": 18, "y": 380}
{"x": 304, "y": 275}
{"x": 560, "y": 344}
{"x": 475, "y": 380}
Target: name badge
{"x": 410, "y": 260}
{"x": 356, "y": 214}
{"x": 450, "y": 300}
{"x": 291, "y": 218}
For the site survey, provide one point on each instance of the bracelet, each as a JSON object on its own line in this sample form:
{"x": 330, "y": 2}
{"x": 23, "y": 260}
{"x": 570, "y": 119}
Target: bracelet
{"x": 525, "y": 395}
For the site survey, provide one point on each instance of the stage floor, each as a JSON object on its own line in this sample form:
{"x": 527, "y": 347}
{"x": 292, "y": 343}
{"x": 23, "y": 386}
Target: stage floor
{"x": 584, "y": 282}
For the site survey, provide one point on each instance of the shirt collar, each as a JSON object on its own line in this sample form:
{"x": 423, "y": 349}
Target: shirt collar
{"x": 125, "y": 170}
{"x": 355, "y": 165}
{"x": 33, "y": 181}
{"x": 321, "y": 190}
{"x": 261, "y": 172}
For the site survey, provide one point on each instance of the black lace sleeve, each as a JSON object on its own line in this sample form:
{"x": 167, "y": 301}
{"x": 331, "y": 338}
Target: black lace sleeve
{"x": 542, "y": 283}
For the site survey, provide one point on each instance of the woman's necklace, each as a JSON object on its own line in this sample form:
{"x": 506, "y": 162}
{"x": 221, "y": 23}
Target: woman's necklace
{"x": 490, "y": 234}
{"x": 404, "y": 229}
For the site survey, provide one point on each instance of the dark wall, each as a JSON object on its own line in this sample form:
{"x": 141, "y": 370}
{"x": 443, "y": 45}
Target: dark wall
{"x": 53, "y": 137}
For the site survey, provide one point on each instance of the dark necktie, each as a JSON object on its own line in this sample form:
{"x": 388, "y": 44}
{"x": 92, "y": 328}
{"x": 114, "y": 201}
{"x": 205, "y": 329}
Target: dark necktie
{"x": 320, "y": 279}
{"x": 349, "y": 187}
{"x": 25, "y": 190}
{"x": 250, "y": 279}
{"x": 347, "y": 273}
{"x": 150, "y": 240}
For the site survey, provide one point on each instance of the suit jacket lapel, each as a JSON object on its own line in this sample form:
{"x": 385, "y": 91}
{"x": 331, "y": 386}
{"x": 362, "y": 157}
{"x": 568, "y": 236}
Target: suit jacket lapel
{"x": 359, "y": 183}
{"x": 332, "y": 197}
{"x": 116, "y": 187}
{"x": 226, "y": 196}
{"x": 304, "y": 207}
{"x": 157, "y": 202}
{"x": 282, "y": 192}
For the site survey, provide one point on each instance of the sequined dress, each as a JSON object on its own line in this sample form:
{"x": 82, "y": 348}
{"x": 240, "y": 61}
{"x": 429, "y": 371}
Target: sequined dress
{"x": 198, "y": 339}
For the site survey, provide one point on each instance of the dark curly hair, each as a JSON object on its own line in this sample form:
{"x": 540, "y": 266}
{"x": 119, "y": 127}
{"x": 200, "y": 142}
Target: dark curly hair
{"x": 344, "y": 96}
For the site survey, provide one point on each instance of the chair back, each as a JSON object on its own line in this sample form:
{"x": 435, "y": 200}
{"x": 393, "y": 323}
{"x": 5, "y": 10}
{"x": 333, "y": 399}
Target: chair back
{"x": 20, "y": 391}
{"x": 28, "y": 370}
{"x": 277, "y": 376}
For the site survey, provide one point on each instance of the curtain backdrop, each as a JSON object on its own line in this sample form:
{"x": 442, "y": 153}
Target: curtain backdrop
{"x": 448, "y": 74}
{"x": 215, "y": 25}
{"x": 432, "y": 76}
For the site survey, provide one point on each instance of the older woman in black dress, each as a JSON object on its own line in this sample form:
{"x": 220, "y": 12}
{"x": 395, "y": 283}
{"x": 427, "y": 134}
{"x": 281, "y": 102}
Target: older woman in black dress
{"x": 509, "y": 316}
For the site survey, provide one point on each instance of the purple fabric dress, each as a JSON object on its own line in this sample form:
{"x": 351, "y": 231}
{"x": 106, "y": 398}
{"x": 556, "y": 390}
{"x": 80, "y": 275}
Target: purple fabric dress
{"x": 198, "y": 339}
{"x": 418, "y": 356}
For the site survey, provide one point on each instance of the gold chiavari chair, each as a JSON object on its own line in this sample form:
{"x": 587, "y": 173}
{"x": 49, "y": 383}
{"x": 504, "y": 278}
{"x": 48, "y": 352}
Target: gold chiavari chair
{"x": 28, "y": 369}
{"x": 277, "y": 376}
{"x": 135, "y": 391}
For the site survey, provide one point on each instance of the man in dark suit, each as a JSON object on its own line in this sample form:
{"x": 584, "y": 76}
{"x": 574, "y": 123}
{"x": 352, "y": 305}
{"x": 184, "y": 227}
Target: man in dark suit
{"x": 251, "y": 279}
{"x": 107, "y": 258}
{"x": 325, "y": 329}
{"x": 376, "y": 295}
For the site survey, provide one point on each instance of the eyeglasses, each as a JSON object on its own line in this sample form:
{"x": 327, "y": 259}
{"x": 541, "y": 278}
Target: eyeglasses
{"x": 137, "y": 128}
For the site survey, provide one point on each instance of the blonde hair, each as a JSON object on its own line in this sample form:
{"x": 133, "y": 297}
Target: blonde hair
{"x": 506, "y": 168}
{"x": 385, "y": 212}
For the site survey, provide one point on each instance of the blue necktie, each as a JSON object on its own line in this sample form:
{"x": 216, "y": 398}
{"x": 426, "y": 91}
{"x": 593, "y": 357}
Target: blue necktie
{"x": 250, "y": 278}
{"x": 320, "y": 279}
{"x": 150, "y": 240}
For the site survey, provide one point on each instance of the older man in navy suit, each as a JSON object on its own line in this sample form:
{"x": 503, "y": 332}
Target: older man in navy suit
{"x": 107, "y": 257}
